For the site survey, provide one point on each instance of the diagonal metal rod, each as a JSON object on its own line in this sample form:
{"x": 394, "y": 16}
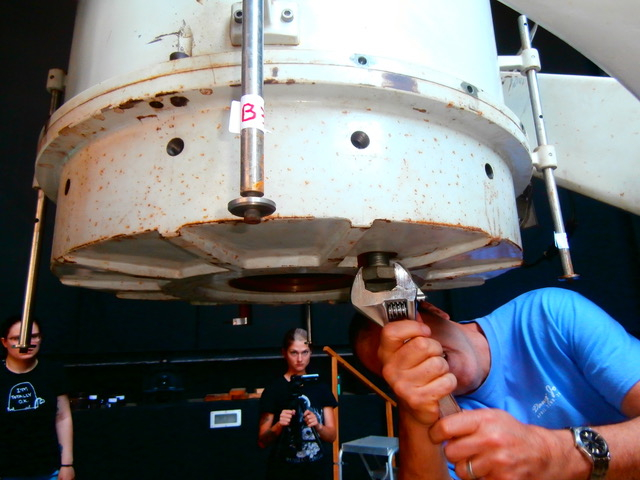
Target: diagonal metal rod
{"x": 541, "y": 135}
{"x": 55, "y": 86}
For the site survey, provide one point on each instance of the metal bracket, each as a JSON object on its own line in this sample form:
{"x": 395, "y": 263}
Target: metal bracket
{"x": 529, "y": 59}
{"x": 544, "y": 156}
{"x": 281, "y": 23}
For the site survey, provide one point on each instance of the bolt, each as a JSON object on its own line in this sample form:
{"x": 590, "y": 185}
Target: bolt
{"x": 287, "y": 15}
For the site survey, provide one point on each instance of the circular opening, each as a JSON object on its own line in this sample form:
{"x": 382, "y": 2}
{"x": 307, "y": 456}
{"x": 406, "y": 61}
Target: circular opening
{"x": 237, "y": 16}
{"x": 488, "y": 169}
{"x": 67, "y": 186}
{"x": 360, "y": 139}
{"x": 156, "y": 104}
{"x": 287, "y": 15}
{"x": 362, "y": 60}
{"x": 293, "y": 283}
{"x": 179, "y": 101}
{"x": 175, "y": 146}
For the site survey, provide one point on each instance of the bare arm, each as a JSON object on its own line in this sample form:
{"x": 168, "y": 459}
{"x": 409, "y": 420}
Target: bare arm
{"x": 501, "y": 447}
{"x": 414, "y": 368}
{"x": 268, "y": 431}
{"x": 64, "y": 431}
{"x": 625, "y": 455}
{"x": 327, "y": 431}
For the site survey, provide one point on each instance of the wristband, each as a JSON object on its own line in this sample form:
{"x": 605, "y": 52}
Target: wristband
{"x": 66, "y": 465}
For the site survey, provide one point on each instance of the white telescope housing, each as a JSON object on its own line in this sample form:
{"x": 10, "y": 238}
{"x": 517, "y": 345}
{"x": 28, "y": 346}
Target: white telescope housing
{"x": 386, "y": 130}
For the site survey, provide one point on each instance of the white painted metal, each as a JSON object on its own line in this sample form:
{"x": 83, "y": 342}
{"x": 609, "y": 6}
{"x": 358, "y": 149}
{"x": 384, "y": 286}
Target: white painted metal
{"x": 607, "y": 33}
{"x": 436, "y": 185}
{"x": 594, "y": 123}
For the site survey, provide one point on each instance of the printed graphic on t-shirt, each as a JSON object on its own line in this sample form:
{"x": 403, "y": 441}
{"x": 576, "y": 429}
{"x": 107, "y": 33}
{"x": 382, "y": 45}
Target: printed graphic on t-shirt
{"x": 551, "y": 396}
{"x": 308, "y": 449}
{"x": 23, "y": 397}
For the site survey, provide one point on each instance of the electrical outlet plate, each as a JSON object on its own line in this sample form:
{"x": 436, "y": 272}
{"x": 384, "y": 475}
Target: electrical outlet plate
{"x": 225, "y": 418}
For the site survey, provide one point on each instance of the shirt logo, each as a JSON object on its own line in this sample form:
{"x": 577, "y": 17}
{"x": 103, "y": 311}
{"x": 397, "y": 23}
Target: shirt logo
{"x": 23, "y": 397}
{"x": 551, "y": 396}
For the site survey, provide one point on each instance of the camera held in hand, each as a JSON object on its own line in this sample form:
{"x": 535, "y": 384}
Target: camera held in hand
{"x": 299, "y": 405}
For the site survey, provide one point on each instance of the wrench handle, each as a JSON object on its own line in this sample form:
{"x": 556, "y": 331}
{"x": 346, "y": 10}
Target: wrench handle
{"x": 448, "y": 405}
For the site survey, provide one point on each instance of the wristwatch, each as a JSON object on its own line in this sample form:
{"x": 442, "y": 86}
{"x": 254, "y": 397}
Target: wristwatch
{"x": 593, "y": 446}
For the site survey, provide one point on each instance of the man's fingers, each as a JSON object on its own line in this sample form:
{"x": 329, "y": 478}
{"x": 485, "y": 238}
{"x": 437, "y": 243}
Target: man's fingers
{"x": 396, "y": 334}
{"x": 456, "y": 425}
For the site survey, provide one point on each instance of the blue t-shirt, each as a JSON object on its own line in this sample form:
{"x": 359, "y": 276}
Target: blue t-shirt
{"x": 557, "y": 360}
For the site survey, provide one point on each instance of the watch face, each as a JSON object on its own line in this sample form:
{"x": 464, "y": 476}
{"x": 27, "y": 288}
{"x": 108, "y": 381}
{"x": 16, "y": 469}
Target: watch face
{"x": 594, "y": 443}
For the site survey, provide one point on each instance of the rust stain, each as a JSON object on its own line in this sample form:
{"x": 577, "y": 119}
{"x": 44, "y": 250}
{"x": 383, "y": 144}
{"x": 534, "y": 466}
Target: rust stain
{"x": 141, "y": 117}
{"x": 162, "y": 94}
{"x": 129, "y": 104}
{"x": 421, "y": 110}
{"x": 206, "y": 91}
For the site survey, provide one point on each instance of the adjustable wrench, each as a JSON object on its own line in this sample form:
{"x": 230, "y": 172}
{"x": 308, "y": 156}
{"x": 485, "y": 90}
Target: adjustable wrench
{"x": 397, "y": 303}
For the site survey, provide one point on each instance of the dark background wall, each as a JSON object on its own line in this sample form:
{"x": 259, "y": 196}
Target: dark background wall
{"x": 115, "y": 346}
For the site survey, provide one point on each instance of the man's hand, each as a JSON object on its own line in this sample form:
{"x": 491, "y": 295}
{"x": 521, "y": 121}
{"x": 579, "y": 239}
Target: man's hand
{"x": 414, "y": 367}
{"x": 499, "y": 446}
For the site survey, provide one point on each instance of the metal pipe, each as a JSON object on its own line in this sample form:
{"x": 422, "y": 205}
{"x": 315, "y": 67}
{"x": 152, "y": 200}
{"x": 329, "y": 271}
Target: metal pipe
{"x": 55, "y": 86}
{"x": 308, "y": 311}
{"x": 34, "y": 261}
{"x": 252, "y": 138}
{"x": 560, "y": 235}
{"x": 250, "y": 205}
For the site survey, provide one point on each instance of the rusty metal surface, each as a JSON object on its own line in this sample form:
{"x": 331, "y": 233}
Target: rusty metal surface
{"x": 365, "y": 152}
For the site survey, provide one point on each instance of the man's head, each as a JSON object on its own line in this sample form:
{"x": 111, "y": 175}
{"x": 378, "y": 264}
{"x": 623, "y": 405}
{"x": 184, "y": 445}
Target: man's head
{"x": 461, "y": 346}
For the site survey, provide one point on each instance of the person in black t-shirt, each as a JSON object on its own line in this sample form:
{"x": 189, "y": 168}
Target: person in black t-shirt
{"x": 297, "y": 417}
{"x": 36, "y": 429}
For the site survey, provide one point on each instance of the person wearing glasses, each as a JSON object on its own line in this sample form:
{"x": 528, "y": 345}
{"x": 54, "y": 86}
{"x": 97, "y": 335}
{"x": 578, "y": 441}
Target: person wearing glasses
{"x": 297, "y": 417}
{"x": 36, "y": 429}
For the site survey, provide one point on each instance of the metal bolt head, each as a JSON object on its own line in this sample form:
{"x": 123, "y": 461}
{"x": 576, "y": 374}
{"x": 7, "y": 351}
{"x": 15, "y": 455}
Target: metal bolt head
{"x": 286, "y": 15}
{"x": 382, "y": 273}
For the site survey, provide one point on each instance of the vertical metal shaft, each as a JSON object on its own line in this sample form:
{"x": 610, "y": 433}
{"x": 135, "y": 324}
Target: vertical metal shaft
{"x": 549, "y": 179}
{"x": 308, "y": 312}
{"x": 252, "y": 139}
{"x": 251, "y": 205}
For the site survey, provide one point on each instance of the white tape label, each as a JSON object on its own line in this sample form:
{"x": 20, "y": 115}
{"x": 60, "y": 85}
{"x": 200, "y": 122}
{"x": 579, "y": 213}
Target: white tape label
{"x": 561, "y": 240}
{"x": 252, "y": 112}
{"x": 248, "y": 113}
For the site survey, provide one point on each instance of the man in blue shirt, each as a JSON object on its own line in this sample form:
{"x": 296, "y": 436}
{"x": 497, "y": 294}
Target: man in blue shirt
{"x": 524, "y": 375}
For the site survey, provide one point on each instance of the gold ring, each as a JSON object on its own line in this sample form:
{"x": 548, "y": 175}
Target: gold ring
{"x": 472, "y": 475}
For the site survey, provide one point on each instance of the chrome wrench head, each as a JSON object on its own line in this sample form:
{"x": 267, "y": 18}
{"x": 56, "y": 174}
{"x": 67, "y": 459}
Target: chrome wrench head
{"x": 398, "y": 303}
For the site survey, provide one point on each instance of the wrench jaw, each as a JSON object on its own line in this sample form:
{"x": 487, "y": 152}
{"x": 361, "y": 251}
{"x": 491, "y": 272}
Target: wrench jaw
{"x": 398, "y": 303}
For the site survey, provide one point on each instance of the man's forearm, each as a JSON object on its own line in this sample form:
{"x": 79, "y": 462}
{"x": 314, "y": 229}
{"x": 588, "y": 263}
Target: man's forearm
{"x": 623, "y": 446}
{"x": 420, "y": 458}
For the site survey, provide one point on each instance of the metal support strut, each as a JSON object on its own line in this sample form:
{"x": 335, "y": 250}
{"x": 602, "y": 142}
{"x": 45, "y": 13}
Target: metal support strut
{"x": 544, "y": 157}
{"x": 55, "y": 86}
{"x": 251, "y": 205}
